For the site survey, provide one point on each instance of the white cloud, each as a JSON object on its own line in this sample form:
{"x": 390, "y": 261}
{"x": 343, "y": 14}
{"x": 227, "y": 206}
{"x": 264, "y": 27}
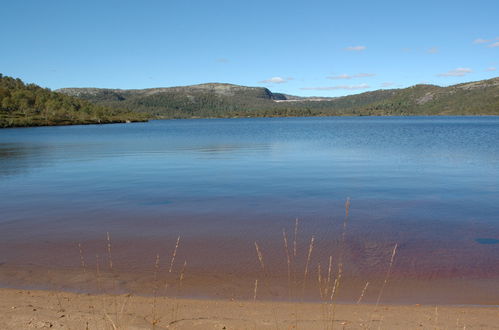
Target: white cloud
{"x": 481, "y": 41}
{"x": 433, "y": 50}
{"x": 332, "y": 88}
{"x": 495, "y": 44}
{"x": 346, "y": 76}
{"x": 276, "y": 80}
{"x": 356, "y": 48}
{"x": 387, "y": 84}
{"x": 492, "y": 68}
{"x": 459, "y": 72}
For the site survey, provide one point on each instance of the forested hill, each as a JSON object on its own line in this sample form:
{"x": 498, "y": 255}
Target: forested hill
{"x": 30, "y": 105}
{"x": 225, "y": 100}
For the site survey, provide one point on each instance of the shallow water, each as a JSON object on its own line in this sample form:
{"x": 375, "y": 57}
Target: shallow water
{"x": 428, "y": 184}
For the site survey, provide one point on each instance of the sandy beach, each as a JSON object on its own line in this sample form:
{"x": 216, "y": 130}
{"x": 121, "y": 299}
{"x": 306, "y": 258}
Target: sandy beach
{"x": 24, "y": 309}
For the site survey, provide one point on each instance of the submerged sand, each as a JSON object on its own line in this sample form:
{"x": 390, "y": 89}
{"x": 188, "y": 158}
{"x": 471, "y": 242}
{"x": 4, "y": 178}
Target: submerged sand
{"x": 24, "y": 309}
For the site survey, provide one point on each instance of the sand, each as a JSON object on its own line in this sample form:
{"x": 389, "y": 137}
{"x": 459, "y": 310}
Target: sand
{"x": 24, "y": 309}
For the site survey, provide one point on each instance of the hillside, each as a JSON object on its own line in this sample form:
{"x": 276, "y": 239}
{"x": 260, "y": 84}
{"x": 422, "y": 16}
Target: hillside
{"x": 225, "y": 100}
{"x": 30, "y": 105}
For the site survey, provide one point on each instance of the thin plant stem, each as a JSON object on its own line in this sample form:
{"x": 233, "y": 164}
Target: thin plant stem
{"x": 310, "y": 249}
{"x": 174, "y": 254}
{"x": 362, "y": 293}
{"x": 288, "y": 259}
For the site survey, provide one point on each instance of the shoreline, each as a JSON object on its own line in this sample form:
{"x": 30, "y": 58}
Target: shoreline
{"x": 47, "y": 309}
{"x": 129, "y": 121}
{"x": 201, "y": 284}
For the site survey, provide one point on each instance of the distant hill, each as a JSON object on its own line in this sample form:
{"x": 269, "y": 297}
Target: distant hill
{"x": 226, "y": 100}
{"x": 30, "y": 105}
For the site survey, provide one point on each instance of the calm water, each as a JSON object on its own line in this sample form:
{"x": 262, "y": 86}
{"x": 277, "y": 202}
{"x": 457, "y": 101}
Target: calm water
{"x": 429, "y": 184}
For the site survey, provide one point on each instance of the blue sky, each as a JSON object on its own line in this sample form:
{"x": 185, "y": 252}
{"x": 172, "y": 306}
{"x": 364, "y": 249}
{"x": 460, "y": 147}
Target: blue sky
{"x": 307, "y": 48}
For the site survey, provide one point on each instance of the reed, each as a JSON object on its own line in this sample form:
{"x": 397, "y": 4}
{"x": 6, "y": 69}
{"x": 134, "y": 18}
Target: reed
{"x": 310, "y": 248}
{"x": 179, "y": 290}
{"x": 288, "y": 260}
{"x": 97, "y": 272}
{"x": 174, "y": 254}
{"x": 255, "y": 289}
{"x": 260, "y": 256}
{"x": 329, "y": 274}
{"x": 383, "y": 285}
{"x": 319, "y": 280}
{"x": 82, "y": 260}
{"x": 385, "y": 281}
{"x": 295, "y": 238}
{"x": 109, "y": 254}
{"x": 362, "y": 293}
{"x": 155, "y": 291}
{"x": 334, "y": 291}
{"x": 296, "y": 235}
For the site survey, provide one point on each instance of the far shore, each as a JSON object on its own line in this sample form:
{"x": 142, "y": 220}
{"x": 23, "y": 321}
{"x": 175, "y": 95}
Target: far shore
{"x": 26, "y": 309}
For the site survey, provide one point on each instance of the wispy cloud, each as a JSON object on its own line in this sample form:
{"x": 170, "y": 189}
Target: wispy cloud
{"x": 492, "y": 68}
{"x": 459, "y": 72}
{"x": 486, "y": 41}
{"x": 276, "y": 80}
{"x": 433, "y": 50}
{"x": 356, "y": 48}
{"x": 387, "y": 84}
{"x": 346, "y": 76}
{"x": 333, "y": 88}
{"x": 481, "y": 41}
{"x": 223, "y": 60}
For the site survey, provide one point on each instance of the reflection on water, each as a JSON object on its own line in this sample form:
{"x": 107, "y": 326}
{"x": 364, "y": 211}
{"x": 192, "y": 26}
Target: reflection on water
{"x": 429, "y": 184}
{"x": 18, "y": 158}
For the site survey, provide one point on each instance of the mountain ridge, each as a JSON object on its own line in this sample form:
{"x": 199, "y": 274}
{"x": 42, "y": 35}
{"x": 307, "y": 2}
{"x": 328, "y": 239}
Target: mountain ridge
{"x": 229, "y": 100}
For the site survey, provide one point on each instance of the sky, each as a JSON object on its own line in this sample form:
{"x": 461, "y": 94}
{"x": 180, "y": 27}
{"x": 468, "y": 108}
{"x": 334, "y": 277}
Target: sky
{"x": 307, "y": 48}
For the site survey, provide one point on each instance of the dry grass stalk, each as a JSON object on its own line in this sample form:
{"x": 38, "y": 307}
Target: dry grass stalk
{"x": 260, "y": 256}
{"x": 288, "y": 259}
{"x": 174, "y": 254}
{"x": 110, "y": 259}
{"x": 310, "y": 248}
{"x": 296, "y": 234}
{"x": 319, "y": 280}
{"x": 347, "y": 207}
{"x": 112, "y": 322}
{"x": 344, "y": 232}
{"x": 156, "y": 285}
{"x": 97, "y": 269}
{"x": 329, "y": 275}
{"x": 255, "y": 289}
{"x": 82, "y": 260}
{"x": 109, "y": 251}
{"x": 385, "y": 281}
{"x": 156, "y": 267}
{"x": 295, "y": 251}
{"x": 334, "y": 291}
{"x": 182, "y": 273}
{"x": 363, "y": 293}
{"x": 181, "y": 281}
{"x": 336, "y": 284}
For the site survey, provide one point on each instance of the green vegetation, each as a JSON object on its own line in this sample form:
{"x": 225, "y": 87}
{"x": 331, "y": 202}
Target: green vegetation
{"x": 30, "y": 105}
{"x": 225, "y": 100}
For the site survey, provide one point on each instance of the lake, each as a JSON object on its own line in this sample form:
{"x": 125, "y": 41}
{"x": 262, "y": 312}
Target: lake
{"x": 428, "y": 184}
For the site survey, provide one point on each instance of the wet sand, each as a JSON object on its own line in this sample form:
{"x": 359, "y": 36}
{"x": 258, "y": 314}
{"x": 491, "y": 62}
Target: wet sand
{"x": 53, "y": 309}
